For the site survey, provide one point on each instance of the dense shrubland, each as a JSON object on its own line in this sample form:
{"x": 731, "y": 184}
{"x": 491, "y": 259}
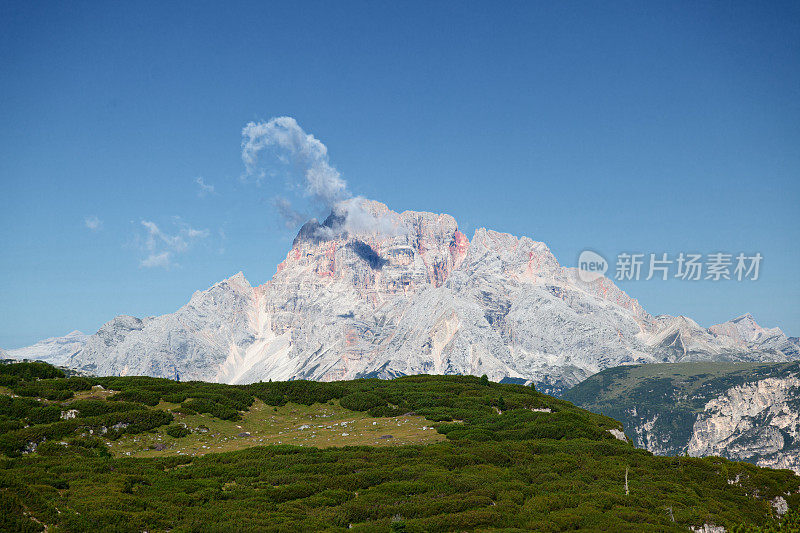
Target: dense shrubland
{"x": 504, "y": 465}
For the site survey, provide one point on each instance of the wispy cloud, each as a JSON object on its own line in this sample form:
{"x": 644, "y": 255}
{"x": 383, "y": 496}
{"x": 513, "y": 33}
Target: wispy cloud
{"x": 93, "y": 223}
{"x": 162, "y": 247}
{"x": 161, "y": 260}
{"x": 204, "y": 188}
{"x": 222, "y": 237}
{"x": 291, "y": 218}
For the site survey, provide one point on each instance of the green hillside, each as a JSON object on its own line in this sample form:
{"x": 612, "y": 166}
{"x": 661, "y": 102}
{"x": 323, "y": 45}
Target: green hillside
{"x": 134, "y": 454}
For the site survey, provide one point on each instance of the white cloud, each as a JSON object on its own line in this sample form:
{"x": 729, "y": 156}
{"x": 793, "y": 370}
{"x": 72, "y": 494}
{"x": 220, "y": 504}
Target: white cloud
{"x": 304, "y": 159}
{"x": 161, "y": 247}
{"x": 93, "y": 223}
{"x": 161, "y": 260}
{"x": 293, "y": 147}
{"x": 203, "y": 187}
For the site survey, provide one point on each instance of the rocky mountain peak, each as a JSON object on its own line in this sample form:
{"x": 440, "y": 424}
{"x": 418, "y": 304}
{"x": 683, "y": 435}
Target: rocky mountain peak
{"x": 235, "y": 284}
{"x": 373, "y": 292}
{"x": 744, "y": 331}
{"x": 361, "y": 238}
{"x": 356, "y": 217}
{"x": 743, "y": 328}
{"x": 237, "y": 280}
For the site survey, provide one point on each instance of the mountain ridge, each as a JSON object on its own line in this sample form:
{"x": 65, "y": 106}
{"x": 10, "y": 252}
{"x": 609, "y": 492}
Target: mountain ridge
{"x": 374, "y": 293}
{"x": 53, "y": 350}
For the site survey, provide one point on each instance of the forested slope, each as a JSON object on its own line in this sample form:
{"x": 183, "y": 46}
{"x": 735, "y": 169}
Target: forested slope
{"x": 513, "y": 459}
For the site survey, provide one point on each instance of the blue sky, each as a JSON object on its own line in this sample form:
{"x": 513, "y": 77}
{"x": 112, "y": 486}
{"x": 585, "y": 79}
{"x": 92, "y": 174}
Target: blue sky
{"x": 623, "y": 126}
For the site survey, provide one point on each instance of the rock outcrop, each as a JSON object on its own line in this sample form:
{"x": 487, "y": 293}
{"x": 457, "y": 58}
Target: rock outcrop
{"x": 742, "y": 411}
{"x": 757, "y": 422}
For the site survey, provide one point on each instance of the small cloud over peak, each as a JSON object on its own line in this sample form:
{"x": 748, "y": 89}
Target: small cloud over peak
{"x": 93, "y": 223}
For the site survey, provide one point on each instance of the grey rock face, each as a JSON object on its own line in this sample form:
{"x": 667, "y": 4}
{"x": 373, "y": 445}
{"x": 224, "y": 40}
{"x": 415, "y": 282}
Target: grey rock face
{"x": 758, "y": 421}
{"x": 193, "y": 343}
{"x": 385, "y": 294}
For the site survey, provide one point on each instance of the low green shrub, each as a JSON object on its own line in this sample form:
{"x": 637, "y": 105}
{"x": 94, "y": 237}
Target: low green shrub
{"x": 177, "y": 430}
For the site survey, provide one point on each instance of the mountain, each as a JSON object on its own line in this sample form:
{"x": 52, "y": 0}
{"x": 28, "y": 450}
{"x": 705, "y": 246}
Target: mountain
{"x": 741, "y": 411}
{"x": 374, "y": 293}
{"x": 55, "y": 350}
{"x": 745, "y": 331}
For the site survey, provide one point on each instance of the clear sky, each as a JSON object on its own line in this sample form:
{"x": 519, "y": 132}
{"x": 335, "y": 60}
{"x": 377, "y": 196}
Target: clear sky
{"x": 617, "y": 126}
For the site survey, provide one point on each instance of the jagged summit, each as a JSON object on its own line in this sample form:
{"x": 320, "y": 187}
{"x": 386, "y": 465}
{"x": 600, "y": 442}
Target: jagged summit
{"x": 743, "y": 328}
{"x": 686, "y": 340}
{"x": 373, "y": 292}
{"x": 237, "y": 280}
{"x": 745, "y": 331}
